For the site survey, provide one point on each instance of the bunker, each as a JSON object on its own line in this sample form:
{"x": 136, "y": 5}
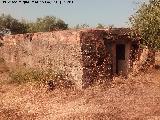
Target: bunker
{"x": 87, "y": 55}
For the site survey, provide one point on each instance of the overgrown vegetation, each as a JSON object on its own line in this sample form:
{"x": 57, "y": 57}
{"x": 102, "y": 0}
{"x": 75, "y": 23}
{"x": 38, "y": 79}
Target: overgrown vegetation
{"x": 134, "y": 98}
{"x": 11, "y": 25}
{"x": 54, "y": 79}
{"x": 78, "y": 26}
{"x": 47, "y": 23}
{"x": 100, "y": 26}
{"x": 8, "y": 24}
{"x": 146, "y": 23}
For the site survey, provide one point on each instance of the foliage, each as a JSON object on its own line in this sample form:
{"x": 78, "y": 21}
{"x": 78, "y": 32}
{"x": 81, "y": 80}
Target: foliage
{"x": 146, "y": 22}
{"x": 100, "y": 26}
{"x": 44, "y": 24}
{"x": 47, "y": 23}
{"x": 7, "y": 22}
{"x": 81, "y": 26}
{"x": 25, "y": 75}
{"x": 20, "y": 76}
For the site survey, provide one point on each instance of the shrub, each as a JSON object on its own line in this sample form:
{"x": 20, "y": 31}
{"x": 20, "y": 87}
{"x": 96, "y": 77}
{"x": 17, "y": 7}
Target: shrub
{"x": 22, "y": 75}
{"x": 54, "y": 79}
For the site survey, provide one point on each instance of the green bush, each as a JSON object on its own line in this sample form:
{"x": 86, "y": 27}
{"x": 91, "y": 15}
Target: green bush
{"x": 23, "y": 75}
{"x": 20, "y": 76}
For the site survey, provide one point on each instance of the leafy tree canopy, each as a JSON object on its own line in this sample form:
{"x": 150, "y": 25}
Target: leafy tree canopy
{"x": 81, "y": 26}
{"x": 44, "y": 24}
{"x": 7, "y": 22}
{"x": 146, "y": 21}
{"x": 47, "y": 23}
{"x": 100, "y": 26}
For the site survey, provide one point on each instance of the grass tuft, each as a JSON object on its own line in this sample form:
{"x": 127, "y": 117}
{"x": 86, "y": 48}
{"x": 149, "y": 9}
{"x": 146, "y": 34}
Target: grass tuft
{"x": 54, "y": 79}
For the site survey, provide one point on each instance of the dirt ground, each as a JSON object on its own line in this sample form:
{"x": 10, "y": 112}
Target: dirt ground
{"x": 134, "y": 98}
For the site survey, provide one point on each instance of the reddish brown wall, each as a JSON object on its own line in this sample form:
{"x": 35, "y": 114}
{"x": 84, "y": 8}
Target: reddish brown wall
{"x": 59, "y": 50}
{"x": 83, "y": 54}
{"x": 72, "y": 51}
{"x": 93, "y": 51}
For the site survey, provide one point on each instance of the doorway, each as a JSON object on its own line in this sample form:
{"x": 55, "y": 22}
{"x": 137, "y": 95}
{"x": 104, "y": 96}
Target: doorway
{"x": 120, "y": 58}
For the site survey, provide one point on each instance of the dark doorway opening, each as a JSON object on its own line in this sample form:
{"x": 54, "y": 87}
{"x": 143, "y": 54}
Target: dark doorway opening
{"x": 120, "y": 56}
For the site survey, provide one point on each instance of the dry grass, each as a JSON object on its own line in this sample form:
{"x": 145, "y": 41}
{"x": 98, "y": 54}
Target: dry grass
{"x": 135, "y": 98}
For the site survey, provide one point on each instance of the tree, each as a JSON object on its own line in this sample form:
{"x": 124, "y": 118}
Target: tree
{"x": 44, "y": 24}
{"x": 47, "y": 23}
{"x": 100, "y": 26}
{"x": 81, "y": 26}
{"x": 60, "y": 25}
{"x": 7, "y": 22}
{"x": 146, "y": 22}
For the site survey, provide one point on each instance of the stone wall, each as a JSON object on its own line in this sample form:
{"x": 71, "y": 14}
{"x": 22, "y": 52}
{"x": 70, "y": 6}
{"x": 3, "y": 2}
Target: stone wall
{"x": 59, "y": 50}
{"x": 85, "y": 55}
{"x": 96, "y": 57}
{"x": 77, "y": 52}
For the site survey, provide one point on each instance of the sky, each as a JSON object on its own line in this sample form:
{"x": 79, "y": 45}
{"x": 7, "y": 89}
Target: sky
{"x": 91, "y": 12}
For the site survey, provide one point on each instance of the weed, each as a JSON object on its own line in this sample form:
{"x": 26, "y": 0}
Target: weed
{"x": 50, "y": 77}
